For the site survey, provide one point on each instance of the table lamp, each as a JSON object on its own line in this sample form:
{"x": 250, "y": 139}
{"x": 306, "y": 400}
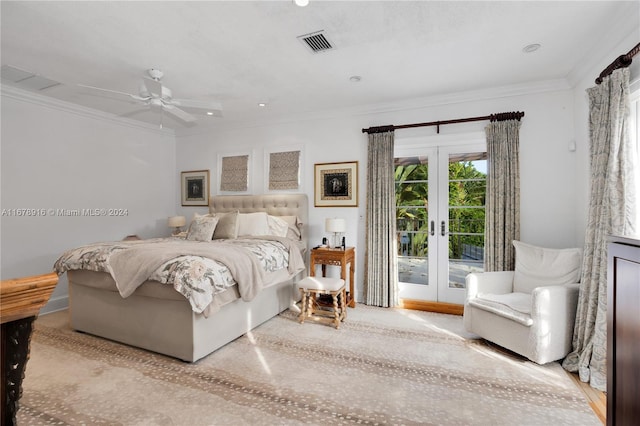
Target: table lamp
{"x": 337, "y": 226}
{"x": 177, "y": 222}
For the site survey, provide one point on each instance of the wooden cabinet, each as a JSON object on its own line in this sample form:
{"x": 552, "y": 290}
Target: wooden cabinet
{"x": 623, "y": 331}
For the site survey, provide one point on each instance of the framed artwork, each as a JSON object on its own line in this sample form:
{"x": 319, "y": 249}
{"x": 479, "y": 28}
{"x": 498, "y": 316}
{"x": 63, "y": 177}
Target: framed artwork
{"x": 195, "y": 188}
{"x": 234, "y": 173}
{"x": 283, "y": 168}
{"x": 336, "y": 184}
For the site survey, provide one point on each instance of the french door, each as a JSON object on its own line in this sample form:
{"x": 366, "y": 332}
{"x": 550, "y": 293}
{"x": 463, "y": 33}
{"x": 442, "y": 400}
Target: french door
{"x": 440, "y": 202}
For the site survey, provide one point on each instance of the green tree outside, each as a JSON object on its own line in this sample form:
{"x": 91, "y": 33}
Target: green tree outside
{"x": 467, "y": 194}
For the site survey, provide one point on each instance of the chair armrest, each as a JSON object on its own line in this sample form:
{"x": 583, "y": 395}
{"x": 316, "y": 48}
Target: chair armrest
{"x": 555, "y": 303}
{"x": 499, "y": 282}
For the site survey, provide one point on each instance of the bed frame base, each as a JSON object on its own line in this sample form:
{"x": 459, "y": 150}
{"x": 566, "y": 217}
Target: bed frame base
{"x": 170, "y": 327}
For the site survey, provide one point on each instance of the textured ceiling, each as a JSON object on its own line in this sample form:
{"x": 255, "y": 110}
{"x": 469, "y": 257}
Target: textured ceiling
{"x": 241, "y": 53}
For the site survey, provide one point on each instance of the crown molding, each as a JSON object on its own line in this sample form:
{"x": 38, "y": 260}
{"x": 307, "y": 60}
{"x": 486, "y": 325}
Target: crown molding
{"x": 68, "y": 107}
{"x": 497, "y": 92}
{"x": 382, "y": 108}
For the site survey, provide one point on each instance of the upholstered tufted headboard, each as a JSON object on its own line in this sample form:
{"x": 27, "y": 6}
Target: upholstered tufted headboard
{"x": 273, "y": 204}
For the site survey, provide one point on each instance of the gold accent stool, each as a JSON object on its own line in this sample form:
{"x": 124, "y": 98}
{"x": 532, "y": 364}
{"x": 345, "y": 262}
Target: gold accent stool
{"x": 336, "y": 257}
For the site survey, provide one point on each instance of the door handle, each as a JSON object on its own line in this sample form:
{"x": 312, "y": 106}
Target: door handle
{"x": 443, "y": 228}
{"x": 433, "y": 230}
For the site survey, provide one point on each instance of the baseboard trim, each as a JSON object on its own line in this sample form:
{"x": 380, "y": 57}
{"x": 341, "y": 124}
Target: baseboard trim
{"x": 55, "y": 305}
{"x": 440, "y": 307}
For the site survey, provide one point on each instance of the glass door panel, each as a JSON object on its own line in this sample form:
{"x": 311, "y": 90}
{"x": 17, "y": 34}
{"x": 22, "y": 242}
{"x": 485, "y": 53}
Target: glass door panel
{"x": 413, "y": 225}
{"x": 461, "y": 209}
{"x": 440, "y": 198}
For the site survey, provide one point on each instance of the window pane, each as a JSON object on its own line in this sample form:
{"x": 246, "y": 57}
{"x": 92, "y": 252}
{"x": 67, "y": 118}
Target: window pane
{"x": 412, "y": 189}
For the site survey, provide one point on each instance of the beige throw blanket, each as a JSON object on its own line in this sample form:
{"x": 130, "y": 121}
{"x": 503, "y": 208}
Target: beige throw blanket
{"x": 133, "y": 266}
{"x": 296, "y": 262}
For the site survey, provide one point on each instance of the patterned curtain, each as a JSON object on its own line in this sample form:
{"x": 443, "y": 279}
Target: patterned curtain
{"x": 502, "y": 212}
{"x": 235, "y": 173}
{"x": 612, "y": 210}
{"x": 381, "y": 256}
{"x": 284, "y": 170}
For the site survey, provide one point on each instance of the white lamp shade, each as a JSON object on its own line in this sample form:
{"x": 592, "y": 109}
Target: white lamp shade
{"x": 335, "y": 225}
{"x": 177, "y": 221}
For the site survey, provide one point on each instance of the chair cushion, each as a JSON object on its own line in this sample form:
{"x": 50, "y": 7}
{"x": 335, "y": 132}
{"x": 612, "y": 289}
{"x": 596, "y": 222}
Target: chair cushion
{"x": 321, "y": 283}
{"x": 514, "y": 306}
{"x": 538, "y": 266}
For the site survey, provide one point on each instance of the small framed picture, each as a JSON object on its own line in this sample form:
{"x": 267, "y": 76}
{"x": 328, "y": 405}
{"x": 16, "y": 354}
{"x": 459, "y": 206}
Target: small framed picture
{"x": 195, "y": 188}
{"x": 336, "y": 184}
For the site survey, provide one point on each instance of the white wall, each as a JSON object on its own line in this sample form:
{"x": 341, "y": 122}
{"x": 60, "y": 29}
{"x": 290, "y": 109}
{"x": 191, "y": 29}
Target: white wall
{"x": 56, "y": 159}
{"x": 548, "y": 168}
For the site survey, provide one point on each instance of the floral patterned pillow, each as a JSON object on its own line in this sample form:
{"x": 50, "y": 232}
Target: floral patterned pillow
{"x": 202, "y": 228}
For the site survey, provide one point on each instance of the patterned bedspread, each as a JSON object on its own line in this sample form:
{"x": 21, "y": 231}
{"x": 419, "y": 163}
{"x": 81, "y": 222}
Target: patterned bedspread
{"x": 197, "y": 278}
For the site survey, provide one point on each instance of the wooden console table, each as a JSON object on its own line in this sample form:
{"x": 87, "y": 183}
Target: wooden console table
{"x": 337, "y": 257}
{"x": 21, "y": 301}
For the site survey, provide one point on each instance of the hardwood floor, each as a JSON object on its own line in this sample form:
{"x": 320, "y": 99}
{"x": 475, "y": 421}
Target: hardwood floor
{"x": 440, "y": 307}
{"x": 597, "y": 400}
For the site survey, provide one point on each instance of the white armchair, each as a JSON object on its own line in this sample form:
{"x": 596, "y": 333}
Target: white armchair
{"x": 530, "y": 311}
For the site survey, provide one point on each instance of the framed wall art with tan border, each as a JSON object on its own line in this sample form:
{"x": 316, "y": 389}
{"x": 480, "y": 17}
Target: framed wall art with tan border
{"x": 234, "y": 171}
{"x": 283, "y": 168}
{"x": 195, "y": 188}
{"x": 336, "y": 184}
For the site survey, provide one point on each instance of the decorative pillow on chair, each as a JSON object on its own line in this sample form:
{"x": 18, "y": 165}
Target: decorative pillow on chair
{"x": 538, "y": 266}
{"x": 202, "y": 228}
{"x": 227, "y": 226}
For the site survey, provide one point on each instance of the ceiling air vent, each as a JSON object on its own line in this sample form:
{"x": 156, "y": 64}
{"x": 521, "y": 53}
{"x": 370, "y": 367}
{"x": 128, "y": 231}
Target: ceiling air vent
{"x": 25, "y": 79}
{"x": 317, "y": 41}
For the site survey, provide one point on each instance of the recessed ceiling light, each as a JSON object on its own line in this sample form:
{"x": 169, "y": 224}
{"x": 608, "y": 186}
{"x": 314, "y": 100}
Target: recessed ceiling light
{"x": 530, "y": 48}
{"x": 301, "y": 3}
{"x": 262, "y": 104}
{"x": 209, "y": 113}
{"x": 355, "y": 78}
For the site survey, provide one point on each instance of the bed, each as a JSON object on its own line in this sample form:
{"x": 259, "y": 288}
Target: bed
{"x": 156, "y": 317}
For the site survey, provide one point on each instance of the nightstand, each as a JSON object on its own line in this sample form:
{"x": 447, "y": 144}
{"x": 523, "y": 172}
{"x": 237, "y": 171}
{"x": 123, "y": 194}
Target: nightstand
{"x": 336, "y": 257}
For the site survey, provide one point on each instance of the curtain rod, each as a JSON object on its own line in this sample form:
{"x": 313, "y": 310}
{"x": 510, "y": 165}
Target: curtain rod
{"x": 493, "y": 117}
{"x": 621, "y": 61}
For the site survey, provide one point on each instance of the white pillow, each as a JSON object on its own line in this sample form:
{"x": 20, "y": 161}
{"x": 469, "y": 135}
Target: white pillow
{"x": 294, "y": 225}
{"x": 277, "y": 226}
{"x": 538, "y": 266}
{"x": 250, "y": 224}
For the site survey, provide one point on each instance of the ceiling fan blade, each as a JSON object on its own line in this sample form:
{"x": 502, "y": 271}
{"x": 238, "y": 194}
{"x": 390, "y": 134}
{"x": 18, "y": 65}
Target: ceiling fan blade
{"x": 154, "y": 87}
{"x": 204, "y": 106}
{"x": 136, "y": 97}
{"x": 177, "y": 112}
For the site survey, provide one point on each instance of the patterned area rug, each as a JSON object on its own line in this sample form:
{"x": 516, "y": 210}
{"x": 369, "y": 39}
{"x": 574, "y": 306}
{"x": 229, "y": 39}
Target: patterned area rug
{"x": 383, "y": 366}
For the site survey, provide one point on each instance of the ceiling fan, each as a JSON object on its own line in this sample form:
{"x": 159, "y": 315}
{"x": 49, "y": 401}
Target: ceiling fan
{"x": 160, "y": 98}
